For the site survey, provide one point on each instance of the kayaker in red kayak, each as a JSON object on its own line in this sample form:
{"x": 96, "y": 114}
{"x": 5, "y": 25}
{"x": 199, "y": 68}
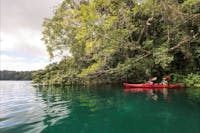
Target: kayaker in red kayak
{"x": 165, "y": 80}
{"x": 152, "y": 80}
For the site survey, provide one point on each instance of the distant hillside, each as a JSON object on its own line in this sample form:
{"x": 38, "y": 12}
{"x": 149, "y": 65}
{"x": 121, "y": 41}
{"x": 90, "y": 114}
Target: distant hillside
{"x": 15, "y": 75}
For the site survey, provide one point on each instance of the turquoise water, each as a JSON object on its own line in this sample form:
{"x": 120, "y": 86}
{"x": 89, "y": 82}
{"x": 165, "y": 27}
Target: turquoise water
{"x": 108, "y": 109}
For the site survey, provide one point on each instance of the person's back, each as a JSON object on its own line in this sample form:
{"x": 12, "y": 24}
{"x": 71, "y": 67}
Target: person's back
{"x": 164, "y": 80}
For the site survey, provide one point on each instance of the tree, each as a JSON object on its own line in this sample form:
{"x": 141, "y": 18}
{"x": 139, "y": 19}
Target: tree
{"x": 15, "y": 75}
{"x": 118, "y": 40}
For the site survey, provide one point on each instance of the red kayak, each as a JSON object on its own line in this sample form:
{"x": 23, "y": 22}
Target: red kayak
{"x": 150, "y": 86}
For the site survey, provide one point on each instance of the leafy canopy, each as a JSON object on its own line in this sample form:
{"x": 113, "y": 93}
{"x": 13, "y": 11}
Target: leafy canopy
{"x": 121, "y": 40}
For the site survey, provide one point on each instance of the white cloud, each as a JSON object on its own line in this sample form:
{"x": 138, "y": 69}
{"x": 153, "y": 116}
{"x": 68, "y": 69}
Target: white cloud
{"x": 23, "y": 50}
{"x": 25, "y": 42}
{"x": 20, "y": 64}
{"x": 16, "y": 14}
{"x": 21, "y": 26}
{"x": 7, "y": 42}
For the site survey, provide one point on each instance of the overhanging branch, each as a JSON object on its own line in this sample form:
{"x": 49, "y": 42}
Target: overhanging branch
{"x": 183, "y": 42}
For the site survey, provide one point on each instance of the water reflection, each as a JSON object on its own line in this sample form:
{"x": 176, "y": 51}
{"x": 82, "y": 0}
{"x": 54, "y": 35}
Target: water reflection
{"x": 50, "y": 109}
{"x": 194, "y": 94}
{"x": 152, "y": 93}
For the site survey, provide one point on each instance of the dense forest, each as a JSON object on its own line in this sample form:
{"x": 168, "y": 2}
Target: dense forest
{"x": 115, "y": 41}
{"x": 15, "y": 75}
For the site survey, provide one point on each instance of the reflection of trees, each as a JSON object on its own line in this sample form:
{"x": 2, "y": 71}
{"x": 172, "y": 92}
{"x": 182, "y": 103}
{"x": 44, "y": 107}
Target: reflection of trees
{"x": 194, "y": 94}
{"x": 97, "y": 99}
{"x": 86, "y": 101}
{"x": 152, "y": 93}
{"x": 78, "y": 104}
{"x": 90, "y": 99}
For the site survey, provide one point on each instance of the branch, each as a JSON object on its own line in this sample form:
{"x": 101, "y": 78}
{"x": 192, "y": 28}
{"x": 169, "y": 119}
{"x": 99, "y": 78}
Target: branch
{"x": 148, "y": 22}
{"x": 184, "y": 42}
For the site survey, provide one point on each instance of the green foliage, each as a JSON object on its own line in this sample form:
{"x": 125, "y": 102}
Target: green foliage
{"x": 177, "y": 78}
{"x": 191, "y": 6}
{"x": 194, "y": 94}
{"x": 122, "y": 40}
{"x": 192, "y": 79}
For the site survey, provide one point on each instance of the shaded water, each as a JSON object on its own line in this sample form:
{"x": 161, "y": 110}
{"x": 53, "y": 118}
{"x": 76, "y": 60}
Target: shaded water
{"x": 108, "y": 109}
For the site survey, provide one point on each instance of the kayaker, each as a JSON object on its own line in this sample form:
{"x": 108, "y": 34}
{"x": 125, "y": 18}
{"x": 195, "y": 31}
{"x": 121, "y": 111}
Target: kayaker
{"x": 165, "y": 80}
{"x": 152, "y": 80}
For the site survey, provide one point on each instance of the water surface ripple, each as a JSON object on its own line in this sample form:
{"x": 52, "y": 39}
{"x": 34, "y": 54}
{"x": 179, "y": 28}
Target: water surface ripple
{"x": 33, "y": 109}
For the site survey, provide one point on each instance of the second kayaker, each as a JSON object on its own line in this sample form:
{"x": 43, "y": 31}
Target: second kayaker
{"x": 165, "y": 80}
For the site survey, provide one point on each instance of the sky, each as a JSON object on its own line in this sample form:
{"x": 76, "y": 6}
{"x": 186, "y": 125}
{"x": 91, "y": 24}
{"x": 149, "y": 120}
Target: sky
{"x": 21, "y": 48}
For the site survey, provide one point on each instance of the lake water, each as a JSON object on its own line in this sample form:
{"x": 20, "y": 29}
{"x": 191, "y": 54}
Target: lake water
{"x": 31, "y": 109}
